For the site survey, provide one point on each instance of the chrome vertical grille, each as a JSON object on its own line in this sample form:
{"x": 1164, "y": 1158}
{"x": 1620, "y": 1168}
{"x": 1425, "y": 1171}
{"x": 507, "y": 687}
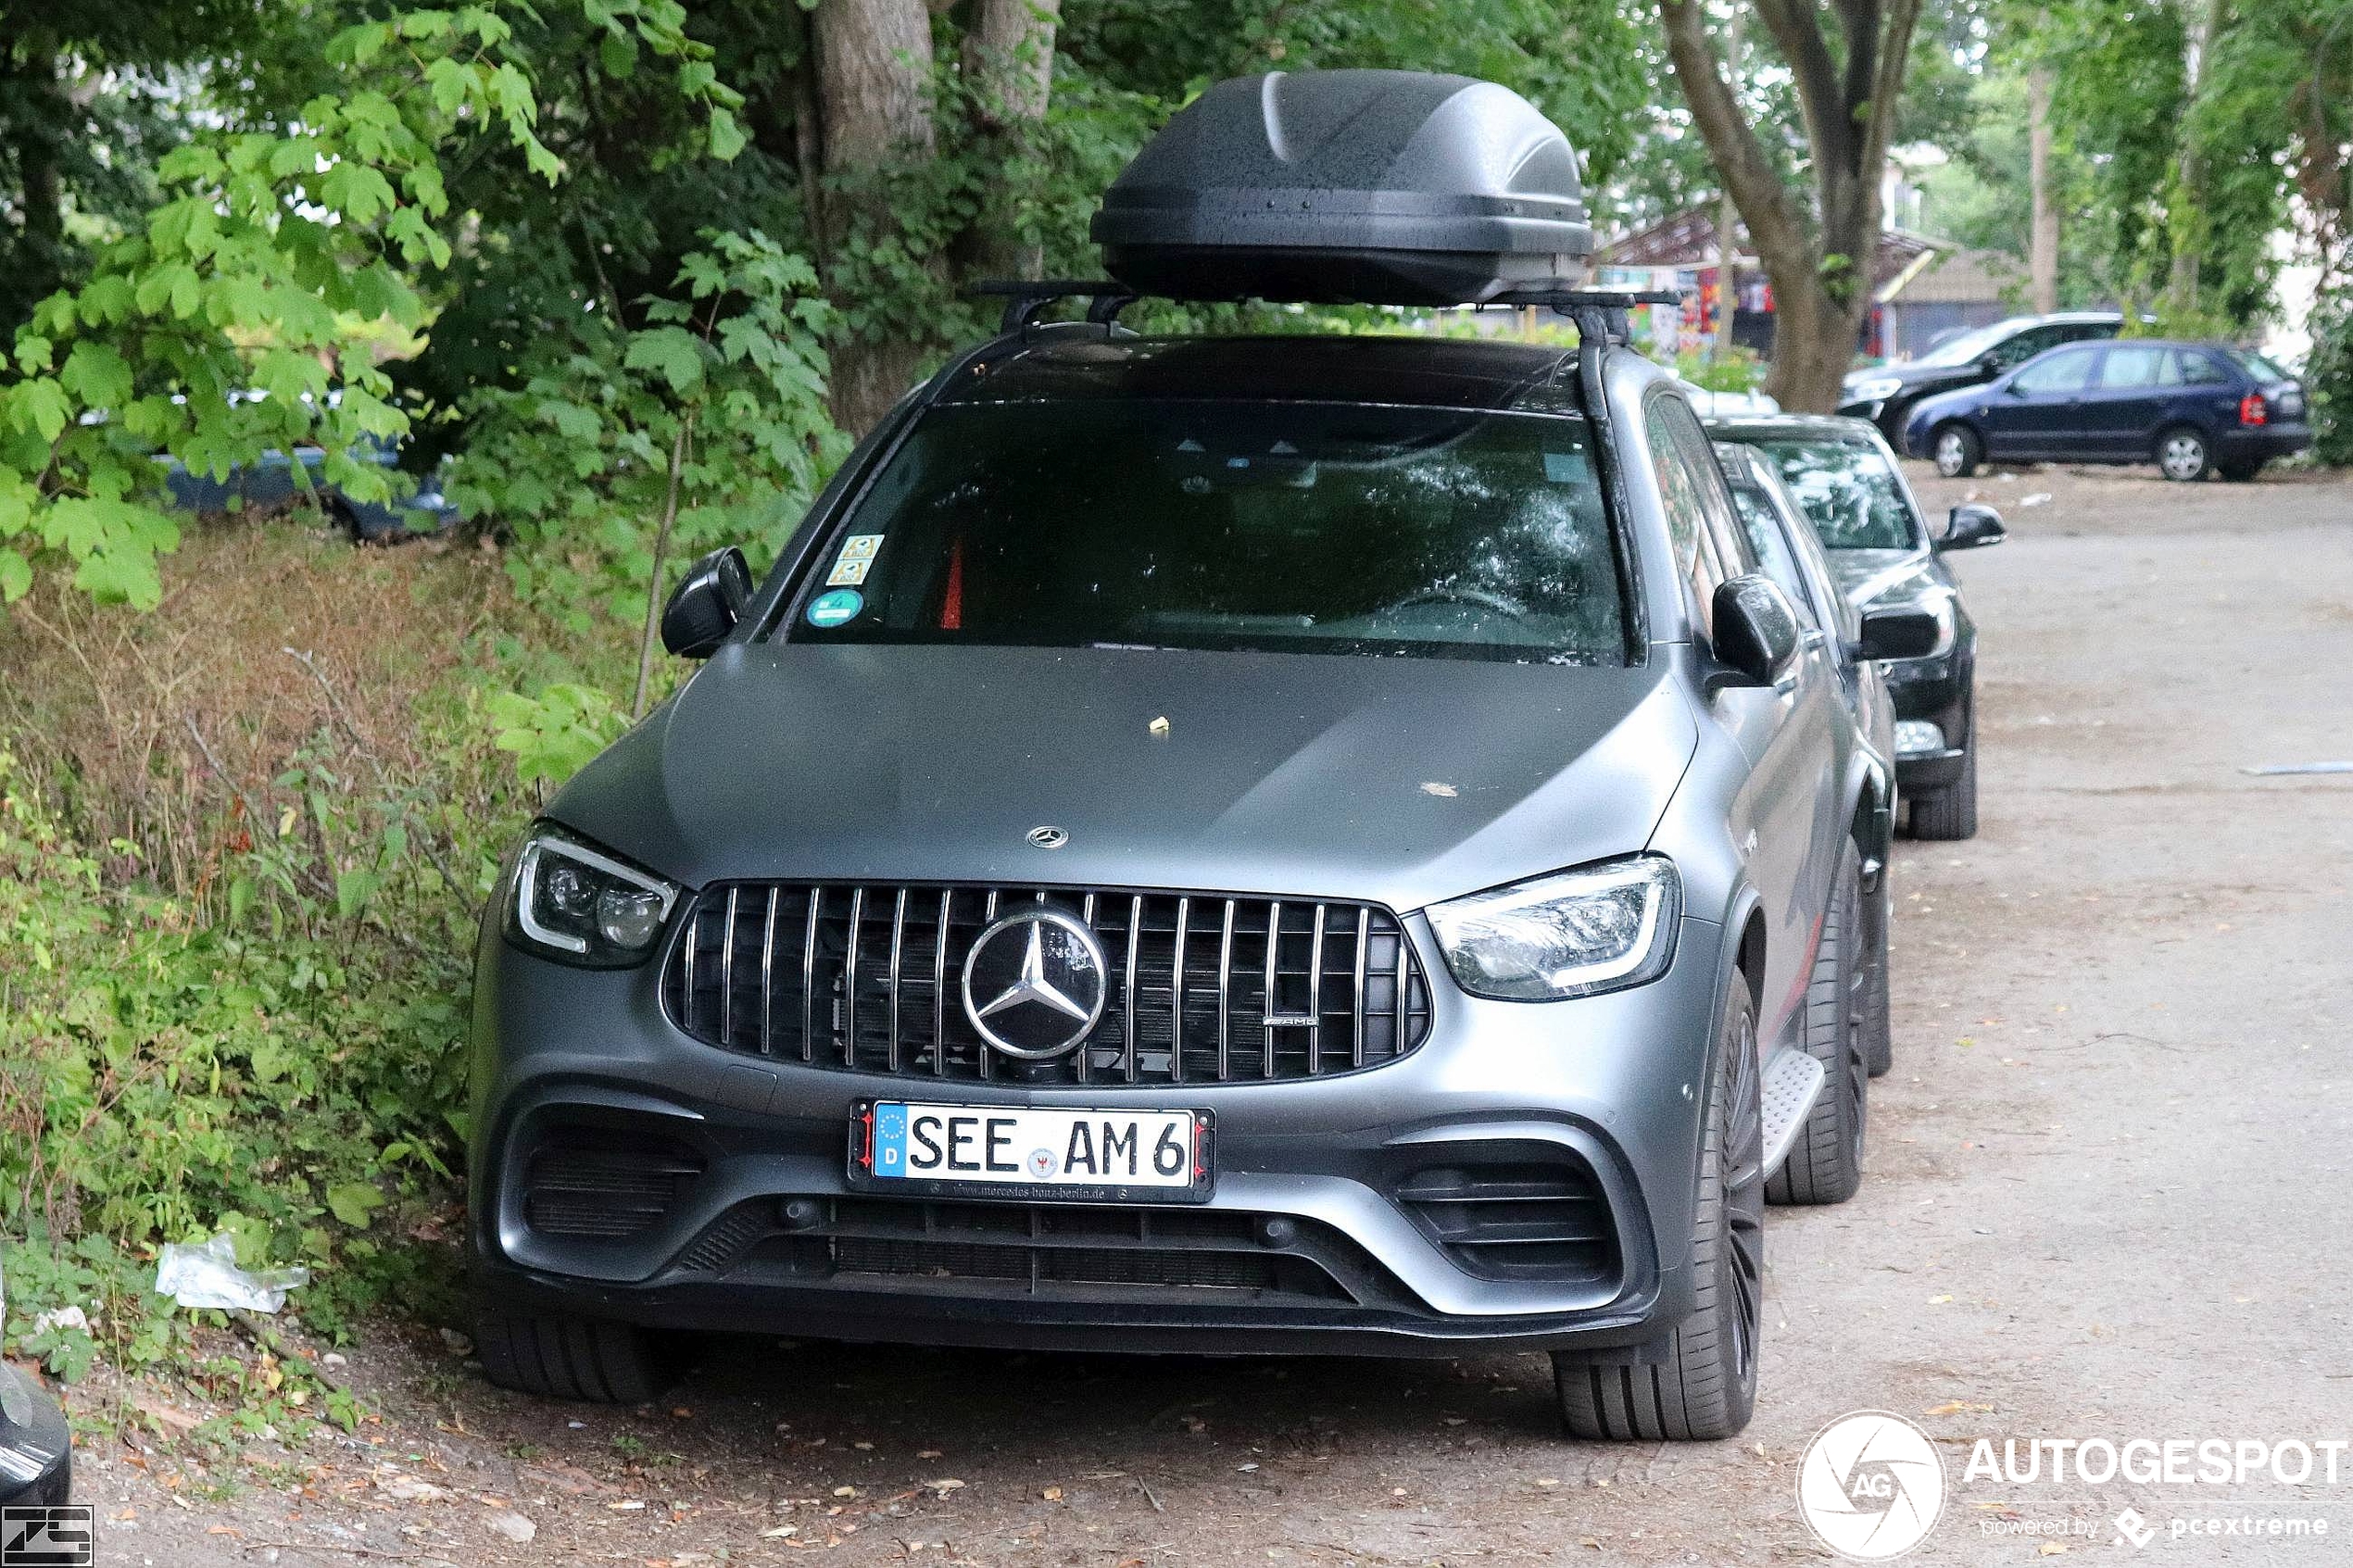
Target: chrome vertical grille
{"x": 1202, "y": 988}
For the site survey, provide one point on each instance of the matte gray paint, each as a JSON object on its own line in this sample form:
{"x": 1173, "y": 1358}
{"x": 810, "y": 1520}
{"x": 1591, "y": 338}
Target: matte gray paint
{"x": 1296, "y": 774}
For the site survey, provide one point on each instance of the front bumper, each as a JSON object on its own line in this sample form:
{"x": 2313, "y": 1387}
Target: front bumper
{"x": 37, "y": 1450}
{"x": 1313, "y": 1238}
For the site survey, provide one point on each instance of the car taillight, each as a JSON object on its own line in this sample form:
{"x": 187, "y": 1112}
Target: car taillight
{"x": 2252, "y": 410}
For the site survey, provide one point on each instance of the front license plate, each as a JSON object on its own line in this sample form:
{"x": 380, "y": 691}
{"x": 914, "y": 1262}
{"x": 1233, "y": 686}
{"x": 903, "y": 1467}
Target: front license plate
{"x": 1025, "y": 1152}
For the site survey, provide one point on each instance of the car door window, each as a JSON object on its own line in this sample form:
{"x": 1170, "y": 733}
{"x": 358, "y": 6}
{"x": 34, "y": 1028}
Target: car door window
{"x": 2059, "y": 373}
{"x": 2027, "y": 343}
{"x": 2133, "y": 367}
{"x": 1697, "y": 558}
{"x": 1722, "y": 522}
{"x": 2201, "y": 369}
{"x": 1761, "y": 523}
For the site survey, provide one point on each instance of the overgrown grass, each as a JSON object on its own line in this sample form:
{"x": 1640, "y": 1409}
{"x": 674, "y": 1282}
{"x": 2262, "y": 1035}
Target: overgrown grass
{"x": 244, "y": 843}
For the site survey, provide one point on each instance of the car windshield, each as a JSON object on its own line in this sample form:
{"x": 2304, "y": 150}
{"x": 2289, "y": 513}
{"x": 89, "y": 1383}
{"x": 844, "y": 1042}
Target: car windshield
{"x": 1968, "y": 345}
{"x": 1316, "y": 528}
{"x": 1850, "y": 491}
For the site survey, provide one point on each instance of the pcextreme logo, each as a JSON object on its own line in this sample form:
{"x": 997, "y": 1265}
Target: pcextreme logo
{"x": 1870, "y": 1486}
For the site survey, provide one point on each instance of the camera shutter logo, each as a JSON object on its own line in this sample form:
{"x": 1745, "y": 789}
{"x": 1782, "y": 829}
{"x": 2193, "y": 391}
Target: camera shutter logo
{"x": 1870, "y": 1486}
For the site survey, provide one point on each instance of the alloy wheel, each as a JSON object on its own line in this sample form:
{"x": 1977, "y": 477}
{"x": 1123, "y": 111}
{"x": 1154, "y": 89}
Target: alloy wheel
{"x": 1950, "y": 454}
{"x": 2183, "y": 457}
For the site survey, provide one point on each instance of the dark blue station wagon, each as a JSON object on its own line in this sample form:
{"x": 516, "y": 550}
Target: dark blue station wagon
{"x": 2192, "y": 408}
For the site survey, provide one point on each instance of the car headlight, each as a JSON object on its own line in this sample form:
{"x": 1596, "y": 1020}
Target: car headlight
{"x": 1875, "y": 389}
{"x": 1599, "y": 928}
{"x": 583, "y": 907}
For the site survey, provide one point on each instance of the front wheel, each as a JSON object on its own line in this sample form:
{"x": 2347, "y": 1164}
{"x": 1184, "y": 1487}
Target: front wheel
{"x": 2181, "y": 455}
{"x": 1950, "y": 812}
{"x": 1958, "y": 451}
{"x": 568, "y": 1358}
{"x": 1700, "y": 1381}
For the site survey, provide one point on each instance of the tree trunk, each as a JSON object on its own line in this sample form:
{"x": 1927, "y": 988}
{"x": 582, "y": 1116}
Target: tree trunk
{"x": 1821, "y": 276}
{"x": 874, "y": 99}
{"x": 2042, "y": 251}
{"x": 1009, "y": 65}
{"x": 1727, "y": 212}
{"x": 41, "y": 249}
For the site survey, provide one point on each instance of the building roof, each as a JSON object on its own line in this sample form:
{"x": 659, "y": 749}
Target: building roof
{"x": 1688, "y": 239}
{"x": 1964, "y": 277}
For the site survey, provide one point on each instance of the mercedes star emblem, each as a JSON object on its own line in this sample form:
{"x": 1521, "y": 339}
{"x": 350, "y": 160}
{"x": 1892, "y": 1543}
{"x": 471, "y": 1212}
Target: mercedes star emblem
{"x": 1035, "y": 983}
{"x": 1048, "y": 837}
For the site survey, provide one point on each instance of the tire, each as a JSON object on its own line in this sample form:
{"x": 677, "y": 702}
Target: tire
{"x": 1958, "y": 450}
{"x": 1699, "y": 1382}
{"x": 1826, "y": 1163}
{"x": 567, "y": 1357}
{"x": 1879, "y": 1028}
{"x": 1950, "y": 812}
{"x": 2181, "y": 455}
{"x": 2240, "y": 472}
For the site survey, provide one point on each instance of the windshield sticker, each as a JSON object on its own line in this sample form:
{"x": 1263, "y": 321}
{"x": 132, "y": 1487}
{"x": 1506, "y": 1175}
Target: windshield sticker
{"x": 856, "y": 560}
{"x": 1567, "y": 468}
{"x": 836, "y": 608}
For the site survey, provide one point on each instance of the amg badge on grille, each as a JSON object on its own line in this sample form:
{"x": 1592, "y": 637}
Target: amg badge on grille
{"x": 1035, "y": 983}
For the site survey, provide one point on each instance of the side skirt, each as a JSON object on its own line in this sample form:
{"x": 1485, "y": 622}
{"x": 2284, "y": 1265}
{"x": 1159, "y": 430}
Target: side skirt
{"x": 1793, "y": 1082}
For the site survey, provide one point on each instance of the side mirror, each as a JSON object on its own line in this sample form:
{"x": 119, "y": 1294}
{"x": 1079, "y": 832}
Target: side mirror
{"x": 1755, "y": 629}
{"x": 707, "y": 603}
{"x": 1990, "y": 364}
{"x": 1898, "y": 634}
{"x": 1970, "y": 526}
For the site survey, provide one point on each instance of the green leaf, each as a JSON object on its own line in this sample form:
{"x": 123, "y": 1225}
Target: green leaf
{"x": 353, "y": 889}
{"x": 726, "y": 136}
{"x": 618, "y": 54}
{"x": 16, "y": 576}
{"x": 673, "y": 351}
{"x": 354, "y": 1203}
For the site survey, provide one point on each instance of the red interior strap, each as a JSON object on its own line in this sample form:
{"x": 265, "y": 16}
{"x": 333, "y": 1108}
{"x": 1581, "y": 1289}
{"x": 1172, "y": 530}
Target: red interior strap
{"x": 951, "y": 605}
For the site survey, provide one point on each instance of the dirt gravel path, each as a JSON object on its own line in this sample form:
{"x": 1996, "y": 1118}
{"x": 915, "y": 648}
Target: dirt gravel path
{"x": 2107, "y": 1197}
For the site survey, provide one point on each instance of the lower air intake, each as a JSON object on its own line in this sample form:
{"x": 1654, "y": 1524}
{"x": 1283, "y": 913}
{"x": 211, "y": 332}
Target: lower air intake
{"x": 1524, "y": 1221}
{"x": 602, "y": 1185}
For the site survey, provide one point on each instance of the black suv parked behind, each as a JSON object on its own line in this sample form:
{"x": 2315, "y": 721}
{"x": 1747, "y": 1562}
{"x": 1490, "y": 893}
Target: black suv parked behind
{"x": 1221, "y": 844}
{"x": 1885, "y": 557}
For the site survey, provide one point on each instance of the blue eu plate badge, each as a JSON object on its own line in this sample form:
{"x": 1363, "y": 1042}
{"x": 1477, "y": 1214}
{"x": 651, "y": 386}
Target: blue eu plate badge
{"x": 890, "y": 1140}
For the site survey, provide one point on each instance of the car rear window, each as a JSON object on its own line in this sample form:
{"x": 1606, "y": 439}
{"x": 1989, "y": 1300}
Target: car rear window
{"x": 2255, "y": 365}
{"x": 1299, "y": 527}
{"x": 1851, "y": 493}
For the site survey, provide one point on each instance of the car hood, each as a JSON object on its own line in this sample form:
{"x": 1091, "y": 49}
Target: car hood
{"x": 1913, "y": 375}
{"x": 1883, "y": 577}
{"x": 1399, "y": 780}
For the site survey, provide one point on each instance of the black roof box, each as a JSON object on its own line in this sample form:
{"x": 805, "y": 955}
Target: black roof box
{"x": 1381, "y": 187}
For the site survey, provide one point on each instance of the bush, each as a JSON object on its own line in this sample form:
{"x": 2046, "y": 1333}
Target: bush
{"x": 244, "y": 839}
{"x": 2328, "y": 379}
